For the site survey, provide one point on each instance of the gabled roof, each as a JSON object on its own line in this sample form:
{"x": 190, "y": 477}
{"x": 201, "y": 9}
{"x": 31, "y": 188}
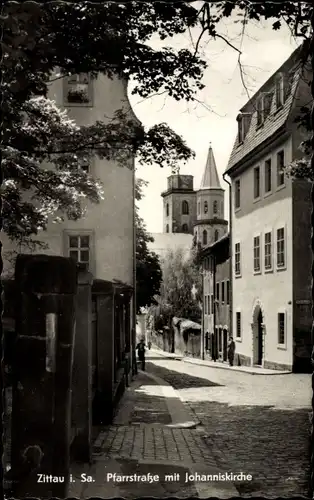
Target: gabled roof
{"x": 220, "y": 249}
{"x": 275, "y": 120}
{"x": 210, "y": 179}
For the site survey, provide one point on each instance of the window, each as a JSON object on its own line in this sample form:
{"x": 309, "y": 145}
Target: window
{"x": 167, "y": 210}
{"x": 215, "y": 207}
{"x": 199, "y": 208}
{"x": 79, "y": 249}
{"x": 78, "y": 90}
{"x": 84, "y": 165}
{"x": 238, "y": 325}
{"x": 260, "y": 111}
{"x": 205, "y": 207}
{"x": 280, "y": 167}
{"x": 267, "y": 102}
{"x": 185, "y": 228}
{"x": 167, "y": 228}
{"x": 185, "y": 208}
{"x": 216, "y": 234}
{"x": 257, "y": 187}
{"x": 223, "y": 292}
{"x": 280, "y": 91}
{"x": 205, "y": 305}
{"x": 257, "y": 254}
{"x": 268, "y": 251}
{"x": 237, "y": 194}
{"x": 281, "y": 329}
{"x": 228, "y": 292}
{"x": 237, "y": 258}
{"x": 217, "y": 291}
{"x": 204, "y": 237}
{"x": 268, "y": 176}
{"x": 281, "y": 247}
{"x": 212, "y": 303}
{"x": 208, "y": 305}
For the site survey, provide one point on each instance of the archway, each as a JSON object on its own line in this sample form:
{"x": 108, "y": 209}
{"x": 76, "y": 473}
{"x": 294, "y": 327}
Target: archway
{"x": 258, "y": 335}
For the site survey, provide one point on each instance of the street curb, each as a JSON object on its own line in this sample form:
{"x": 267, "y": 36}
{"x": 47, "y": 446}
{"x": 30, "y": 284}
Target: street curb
{"x": 220, "y": 367}
{"x": 186, "y": 420}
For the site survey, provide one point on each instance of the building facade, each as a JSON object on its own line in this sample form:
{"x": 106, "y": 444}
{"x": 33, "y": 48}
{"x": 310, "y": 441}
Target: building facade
{"x": 102, "y": 242}
{"x": 216, "y": 299}
{"x": 104, "y": 239}
{"x": 271, "y": 227}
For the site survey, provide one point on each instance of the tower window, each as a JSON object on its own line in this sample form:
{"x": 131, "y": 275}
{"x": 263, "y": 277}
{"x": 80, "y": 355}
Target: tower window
{"x": 167, "y": 228}
{"x": 216, "y": 234}
{"x": 215, "y": 207}
{"x": 185, "y": 228}
{"x": 167, "y": 210}
{"x": 205, "y": 207}
{"x": 204, "y": 237}
{"x": 199, "y": 208}
{"x": 185, "y": 208}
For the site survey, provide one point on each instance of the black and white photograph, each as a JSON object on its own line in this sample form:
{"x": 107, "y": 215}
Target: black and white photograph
{"x": 157, "y": 248}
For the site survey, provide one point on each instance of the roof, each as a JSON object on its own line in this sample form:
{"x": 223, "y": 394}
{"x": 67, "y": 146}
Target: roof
{"x": 220, "y": 248}
{"x": 210, "y": 179}
{"x": 170, "y": 241}
{"x": 276, "y": 119}
{"x": 186, "y": 324}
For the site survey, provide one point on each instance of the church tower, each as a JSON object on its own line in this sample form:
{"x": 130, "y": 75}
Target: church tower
{"x": 210, "y": 224}
{"x": 179, "y": 205}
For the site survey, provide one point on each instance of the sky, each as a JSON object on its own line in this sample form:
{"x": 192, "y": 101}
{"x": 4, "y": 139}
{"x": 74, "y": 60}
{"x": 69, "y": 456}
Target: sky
{"x": 213, "y": 118}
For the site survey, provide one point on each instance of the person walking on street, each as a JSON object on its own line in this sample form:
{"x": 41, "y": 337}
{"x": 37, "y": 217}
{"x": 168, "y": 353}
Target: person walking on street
{"x": 231, "y": 351}
{"x": 141, "y": 353}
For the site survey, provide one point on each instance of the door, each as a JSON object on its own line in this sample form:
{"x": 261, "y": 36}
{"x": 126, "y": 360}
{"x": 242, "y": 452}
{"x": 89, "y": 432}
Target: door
{"x": 260, "y": 338}
{"x": 225, "y": 345}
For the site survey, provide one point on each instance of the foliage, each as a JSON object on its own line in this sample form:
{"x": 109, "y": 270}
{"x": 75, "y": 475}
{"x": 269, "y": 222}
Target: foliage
{"x": 148, "y": 271}
{"x": 179, "y": 274}
{"x": 41, "y": 146}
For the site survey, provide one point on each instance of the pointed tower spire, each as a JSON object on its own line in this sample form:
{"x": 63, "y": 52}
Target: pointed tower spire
{"x": 210, "y": 179}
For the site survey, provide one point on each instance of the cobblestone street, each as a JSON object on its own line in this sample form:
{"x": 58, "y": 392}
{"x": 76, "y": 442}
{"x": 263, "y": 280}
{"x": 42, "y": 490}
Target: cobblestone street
{"x": 260, "y": 423}
{"x": 178, "y": 419}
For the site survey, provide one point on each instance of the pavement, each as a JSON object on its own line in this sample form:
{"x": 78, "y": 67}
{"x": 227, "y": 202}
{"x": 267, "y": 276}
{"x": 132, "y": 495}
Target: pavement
{"x": 261, "y": 425}
{"x": 253, "y": 370}
{"x": 179, "y": 424}
{"x": 155, "y": 447}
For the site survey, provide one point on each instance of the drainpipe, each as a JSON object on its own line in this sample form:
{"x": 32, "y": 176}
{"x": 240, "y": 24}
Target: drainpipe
{"x": 203, "y": 319}
{"x": 230, "y": 259}
{"x": 133, "y": 330}
{"x": 215, "y": 337}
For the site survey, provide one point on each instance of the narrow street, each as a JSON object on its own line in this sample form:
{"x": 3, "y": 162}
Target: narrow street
{"x": 180, "y": 419}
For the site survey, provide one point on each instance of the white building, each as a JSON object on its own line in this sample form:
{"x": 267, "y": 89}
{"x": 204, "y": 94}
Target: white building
{"x": 105, "y": 238}
{"x": 271, "y": 227}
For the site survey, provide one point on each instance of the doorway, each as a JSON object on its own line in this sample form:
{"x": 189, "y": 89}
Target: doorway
{"x": 258, "y": 336}
{"x": 225, "y": 344}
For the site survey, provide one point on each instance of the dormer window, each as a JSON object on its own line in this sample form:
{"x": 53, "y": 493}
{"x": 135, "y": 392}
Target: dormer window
{"x": 263, "y": 107}
{"x": 240, "y": 129}
{"x": 78, "y": 90}
{"x": 280, "y": 91}
{"x": 243, "y": 120}
{"x": 260, "y": 111}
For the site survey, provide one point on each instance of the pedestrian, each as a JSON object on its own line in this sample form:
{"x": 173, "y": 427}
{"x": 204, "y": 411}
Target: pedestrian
{"x": 231, "y": 350}
{"x": 149, "y": 344}
{"x": 141, "y": 352}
